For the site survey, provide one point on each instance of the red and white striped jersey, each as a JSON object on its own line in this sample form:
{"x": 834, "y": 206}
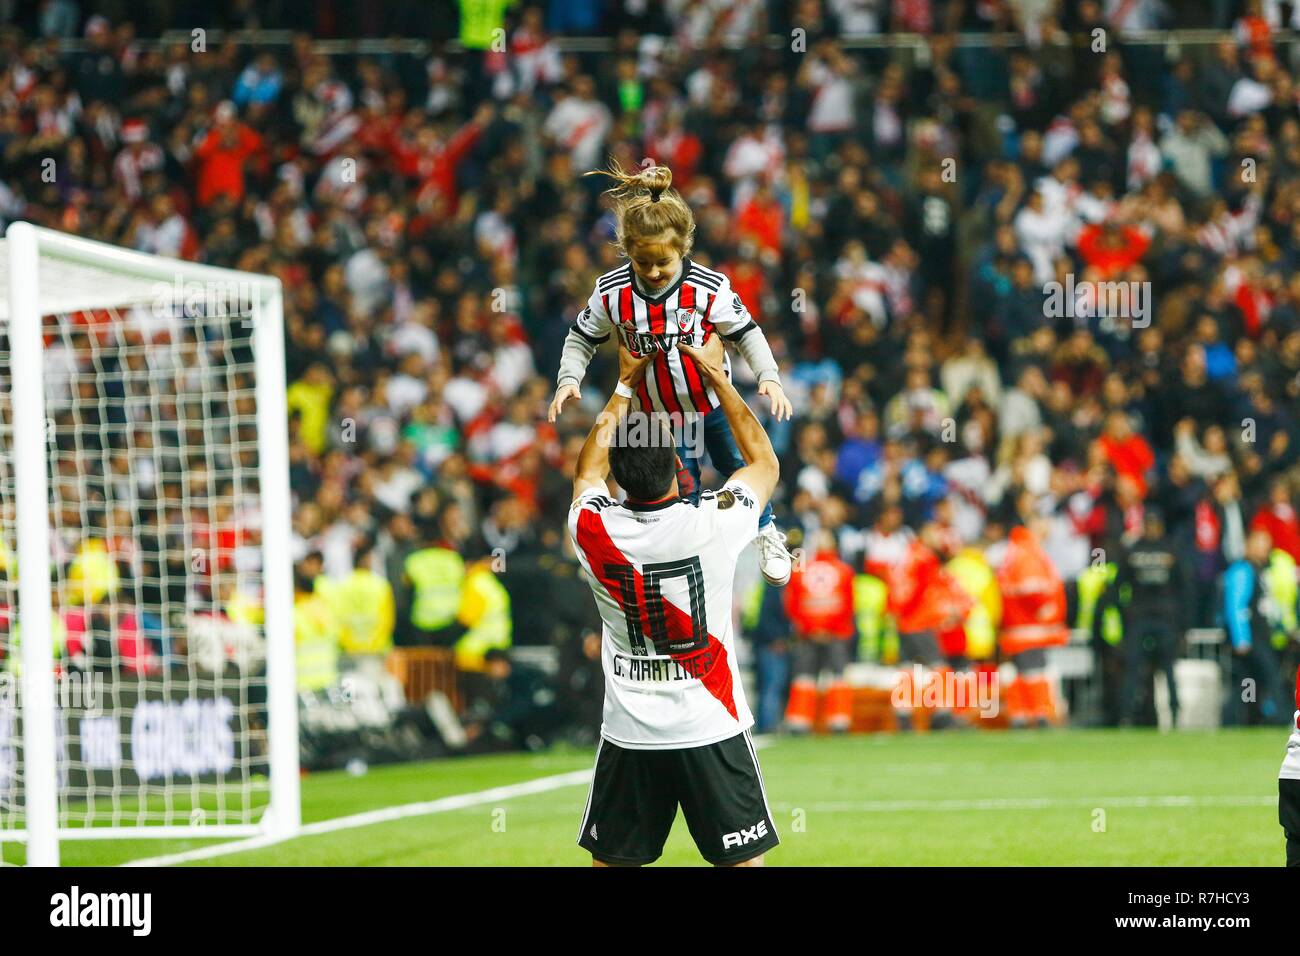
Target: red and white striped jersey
{"x": 698, "y": 303}
{"x": 662, "y": 576}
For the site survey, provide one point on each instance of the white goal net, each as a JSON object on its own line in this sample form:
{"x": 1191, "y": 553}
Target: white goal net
{"x": 146, "y": 680}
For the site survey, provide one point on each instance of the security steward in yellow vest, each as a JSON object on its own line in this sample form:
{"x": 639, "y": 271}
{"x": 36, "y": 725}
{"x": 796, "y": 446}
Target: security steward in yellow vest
{"x": 315, "y": 629}
{"x": 92, "y": 574}
{"x": 13, "y": 662}
{"x": 484, "y": 613}
{"x": 970, "y": 569}
{"x": 362, "y": 604}
{"x": 435, "y": 576}
{"x": 877, "y": 636}
{"x": 1099, "y": 613}
{"x": 1280, "y": 582}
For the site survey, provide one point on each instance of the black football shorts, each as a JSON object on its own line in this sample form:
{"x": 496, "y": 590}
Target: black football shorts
{"x": 635, "y": 793}
{"x": 1288, "y": 812}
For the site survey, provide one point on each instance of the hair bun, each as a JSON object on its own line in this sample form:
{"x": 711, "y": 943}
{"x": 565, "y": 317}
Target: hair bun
{"x": 655, "y": 178}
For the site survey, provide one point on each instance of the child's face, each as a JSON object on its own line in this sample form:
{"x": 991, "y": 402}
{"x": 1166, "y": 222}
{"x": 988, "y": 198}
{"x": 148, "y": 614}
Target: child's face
{"x": 655, "y": 260}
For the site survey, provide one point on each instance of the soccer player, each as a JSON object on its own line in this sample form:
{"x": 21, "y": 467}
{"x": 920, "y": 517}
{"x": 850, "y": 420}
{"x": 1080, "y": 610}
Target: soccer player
{"x": 661, "y": 296}
{"x": 676, "y": 723}
{"x": 1288, "y": 785}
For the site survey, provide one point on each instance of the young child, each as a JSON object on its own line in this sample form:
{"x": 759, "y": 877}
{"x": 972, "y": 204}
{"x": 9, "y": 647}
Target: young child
{"x": 657, "y": 297}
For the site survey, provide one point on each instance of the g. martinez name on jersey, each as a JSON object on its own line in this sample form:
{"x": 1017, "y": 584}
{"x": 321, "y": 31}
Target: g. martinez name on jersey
{"x": 662, "y": 575}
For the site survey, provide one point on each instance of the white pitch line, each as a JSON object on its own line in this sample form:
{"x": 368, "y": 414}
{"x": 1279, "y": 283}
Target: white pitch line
{"x": 371, "y": 817}
{"x": 1033, "y": 803}
{"x": 386, "y": 814}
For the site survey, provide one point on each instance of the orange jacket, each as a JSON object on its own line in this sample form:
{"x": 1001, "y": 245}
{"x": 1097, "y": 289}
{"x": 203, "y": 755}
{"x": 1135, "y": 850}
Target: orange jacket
{"x": 1112, "y": 258}
{"x": 819, "y": 598}
{"x": 922, "y": 596}
{"x": 1132, "y": 457}
{"x": 951, "y": 598}
{"x": 221, "y": 164}
{"x": 1033, "y": 596}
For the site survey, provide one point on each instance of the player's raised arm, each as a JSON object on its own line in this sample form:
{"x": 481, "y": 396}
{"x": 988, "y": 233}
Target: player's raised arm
{"x": 761, "y": 469}
{"x": 593, "y": 459}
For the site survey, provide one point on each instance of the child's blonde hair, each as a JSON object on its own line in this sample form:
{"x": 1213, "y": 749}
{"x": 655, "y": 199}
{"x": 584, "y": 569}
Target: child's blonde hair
{"x": 646, "y": 206}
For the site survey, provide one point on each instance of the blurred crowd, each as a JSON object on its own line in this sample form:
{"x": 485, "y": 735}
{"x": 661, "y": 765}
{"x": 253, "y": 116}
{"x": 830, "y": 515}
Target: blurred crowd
{"x": 1047, "y": 273}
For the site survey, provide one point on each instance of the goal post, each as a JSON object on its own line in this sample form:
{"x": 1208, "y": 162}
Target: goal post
{"x": 144, "y": 462}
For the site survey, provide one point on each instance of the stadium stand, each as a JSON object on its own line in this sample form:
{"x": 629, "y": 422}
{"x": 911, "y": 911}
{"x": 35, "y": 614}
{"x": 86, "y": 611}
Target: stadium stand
{"x": 1021, "y": 263}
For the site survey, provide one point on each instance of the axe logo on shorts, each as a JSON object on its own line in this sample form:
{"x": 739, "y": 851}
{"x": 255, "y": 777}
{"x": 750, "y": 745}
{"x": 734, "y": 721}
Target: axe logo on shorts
{"x": 748, "y": 835}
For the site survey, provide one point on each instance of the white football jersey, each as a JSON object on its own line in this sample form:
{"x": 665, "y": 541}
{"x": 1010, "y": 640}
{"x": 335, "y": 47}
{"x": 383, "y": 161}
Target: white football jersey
{"x": 662, "y": 575}
{"x": 1291, "y": 762}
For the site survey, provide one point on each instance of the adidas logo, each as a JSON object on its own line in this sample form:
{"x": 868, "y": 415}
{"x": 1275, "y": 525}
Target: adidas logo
{"x": 592, "y": 831}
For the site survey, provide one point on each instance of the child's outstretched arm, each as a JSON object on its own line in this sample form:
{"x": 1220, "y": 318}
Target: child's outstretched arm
{"x": 734, "y": 323}
{"x": 591, "y": 328}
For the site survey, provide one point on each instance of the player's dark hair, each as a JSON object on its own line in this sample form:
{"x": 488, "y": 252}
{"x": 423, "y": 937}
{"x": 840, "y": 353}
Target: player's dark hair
{"x": 643, "y": 457}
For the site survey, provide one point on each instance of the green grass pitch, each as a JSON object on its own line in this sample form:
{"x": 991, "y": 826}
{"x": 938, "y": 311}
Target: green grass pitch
{"x": 1108, "y": 798}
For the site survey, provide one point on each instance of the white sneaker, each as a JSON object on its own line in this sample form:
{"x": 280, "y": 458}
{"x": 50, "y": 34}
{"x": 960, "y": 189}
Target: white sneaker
{"x": 773, "y": 558}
